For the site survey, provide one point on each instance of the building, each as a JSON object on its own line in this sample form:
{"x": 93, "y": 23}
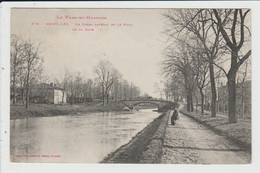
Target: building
{"x": 243, "y": 98}
{"x": 48, "y": 93}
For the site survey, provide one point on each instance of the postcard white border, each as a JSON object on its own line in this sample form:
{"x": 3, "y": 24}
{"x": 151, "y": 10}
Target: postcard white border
{"x": 8, "y": 167}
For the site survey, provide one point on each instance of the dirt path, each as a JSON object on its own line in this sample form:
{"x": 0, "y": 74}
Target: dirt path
{"x": 191, "y": 143}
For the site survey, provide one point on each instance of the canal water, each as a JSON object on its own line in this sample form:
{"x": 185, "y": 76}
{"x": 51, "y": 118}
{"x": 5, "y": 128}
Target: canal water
{"x": 83, "y": 138}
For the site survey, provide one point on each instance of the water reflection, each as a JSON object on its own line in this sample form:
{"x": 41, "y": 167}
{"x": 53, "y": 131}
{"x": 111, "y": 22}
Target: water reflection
{"x": 85, "y": 138}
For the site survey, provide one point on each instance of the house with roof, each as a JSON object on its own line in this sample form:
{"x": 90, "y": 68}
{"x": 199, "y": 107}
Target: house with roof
{"x": 48, "y": 93}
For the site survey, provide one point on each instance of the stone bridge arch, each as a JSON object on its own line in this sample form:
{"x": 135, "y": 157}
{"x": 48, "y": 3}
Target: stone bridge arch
{"x": 141, "y": 102}
{"x": 161, "y": 104}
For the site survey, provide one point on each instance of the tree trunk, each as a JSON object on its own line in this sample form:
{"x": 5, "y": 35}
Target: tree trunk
{"x": 103, "y": 95}
{"x": 188, "y": 103}
{"x": 232, "y": 118}
{"x": 27, "y": 96}
{"x": 107, "y": 97}
{"x": 202, "y": 101}
{"x": 189, "y": 96}
{"x": 14, "y": 88}
{"x": 196, "y": 98}
{"x": 243, "y": 109}
{"x": 191, "y": 103}
{"x": 22, "y": 93}
{"x": 27, "y": 90}
{"x": 63, "y": 92}
{"x": 213, "y": 90}
{"x": 242, "y": 103}
{"x": 103, "y": 99}
{"x": 72, "y": 98}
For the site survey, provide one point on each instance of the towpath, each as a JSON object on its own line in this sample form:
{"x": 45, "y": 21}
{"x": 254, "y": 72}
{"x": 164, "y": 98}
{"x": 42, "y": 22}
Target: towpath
{"x": 188, "y": 142}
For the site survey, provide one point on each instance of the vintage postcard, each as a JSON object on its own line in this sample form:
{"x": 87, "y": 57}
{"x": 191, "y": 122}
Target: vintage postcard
{"x": 130, "y": 85}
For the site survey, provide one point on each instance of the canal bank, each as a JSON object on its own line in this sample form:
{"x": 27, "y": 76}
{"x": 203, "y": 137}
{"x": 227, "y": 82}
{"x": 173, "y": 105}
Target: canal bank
{"x": 49, "y": 110}
{"x": 145, "y": 147}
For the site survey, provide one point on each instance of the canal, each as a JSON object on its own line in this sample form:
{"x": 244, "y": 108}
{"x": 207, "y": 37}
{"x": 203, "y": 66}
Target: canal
{"x": 82, "y": 138}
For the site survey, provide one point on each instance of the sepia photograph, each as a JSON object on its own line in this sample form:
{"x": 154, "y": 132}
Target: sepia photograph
{"x": 130, "y": 85}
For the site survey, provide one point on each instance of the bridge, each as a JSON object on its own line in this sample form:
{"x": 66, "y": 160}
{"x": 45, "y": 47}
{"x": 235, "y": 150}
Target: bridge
{"x": 161, "y": 104}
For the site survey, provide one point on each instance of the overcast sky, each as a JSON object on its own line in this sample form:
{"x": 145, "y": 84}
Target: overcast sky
{"x": 136, "y": 51}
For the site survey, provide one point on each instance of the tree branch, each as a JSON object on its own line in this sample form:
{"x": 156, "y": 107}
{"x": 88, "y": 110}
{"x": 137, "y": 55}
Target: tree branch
{"x": 223, "y": 32}
{"x": 245, "y": 57}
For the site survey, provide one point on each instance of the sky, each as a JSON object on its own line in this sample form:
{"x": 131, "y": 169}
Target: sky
{"x": 135, "y": 50}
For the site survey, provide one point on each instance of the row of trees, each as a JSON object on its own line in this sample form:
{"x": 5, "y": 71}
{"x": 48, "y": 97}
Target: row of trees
{"x": 205, "y": 45}
{"x": 28, "y": 79}
{"x": 107, "y": 85}
{"x": 26, "y": 66}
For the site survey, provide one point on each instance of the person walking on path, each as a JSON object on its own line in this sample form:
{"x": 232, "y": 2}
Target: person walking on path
{"x": 174, "y": 116}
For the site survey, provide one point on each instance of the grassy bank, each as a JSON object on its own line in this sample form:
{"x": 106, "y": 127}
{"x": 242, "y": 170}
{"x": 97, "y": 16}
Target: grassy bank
{"x": 40, "y": 110}
{"x": 145, "y": 147}
{"x": 239, "y": 133}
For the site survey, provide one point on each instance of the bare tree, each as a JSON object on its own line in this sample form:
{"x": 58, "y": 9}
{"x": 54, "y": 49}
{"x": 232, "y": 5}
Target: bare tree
{"x": 178, "y": 60}
{"x": 116, "y": 90}
{"x": 201, "y": 75}
{"x": 41, "y": 87}
{"x": 195, "y": 23}
{"x": 21, "y": 76}
{"x": 135, "y": 91}
{"x": 232, "y": 27}
{"x": 167, "y": 89}
{"x": 79, "y": 88}
{"x": 71, "y": 86}
{"x": 106, "y": 75}
{"x": 122, "y": 89}
{"x": 158, "y": 89}
{"x": 33, "y": 65}
{"x": 17, "y": 60}
{"x": 177, "y": 87}
{"x": 88, "y": 89}
{"x": 243, "y": 75}
{"x": 218, "y": 31}
{"x": 63, "y": 82}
